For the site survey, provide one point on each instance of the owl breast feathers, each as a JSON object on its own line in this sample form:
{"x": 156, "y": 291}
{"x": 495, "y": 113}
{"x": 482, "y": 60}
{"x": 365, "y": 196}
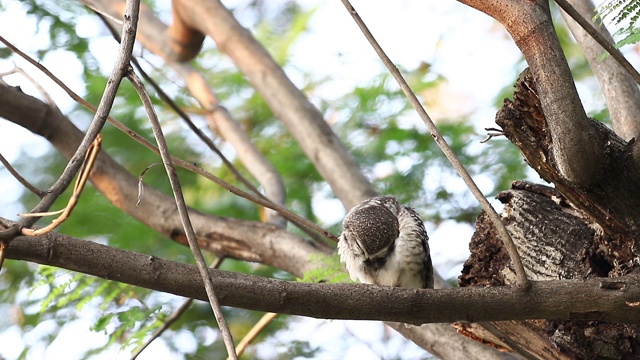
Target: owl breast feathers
{"x": 385, "y": 243}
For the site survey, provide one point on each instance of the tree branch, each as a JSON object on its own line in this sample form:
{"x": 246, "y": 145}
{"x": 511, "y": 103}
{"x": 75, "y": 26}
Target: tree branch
{"x": 602, "y": 299}
{"x": 614, "y": 73}
{"x": 578, "y": 152}
{"x": 21, "y": 179}
{"x": 613, "y": 204}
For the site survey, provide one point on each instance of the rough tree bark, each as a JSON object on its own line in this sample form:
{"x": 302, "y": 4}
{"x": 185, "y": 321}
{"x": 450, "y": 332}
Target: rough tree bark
{"x": 601, "y": 300}
{"x": 562, "y": 233}
{"x": 587, "y": 227}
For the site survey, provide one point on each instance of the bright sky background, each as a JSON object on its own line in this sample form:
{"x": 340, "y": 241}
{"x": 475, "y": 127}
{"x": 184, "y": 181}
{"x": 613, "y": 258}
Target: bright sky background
{"x": 471, "y": 51}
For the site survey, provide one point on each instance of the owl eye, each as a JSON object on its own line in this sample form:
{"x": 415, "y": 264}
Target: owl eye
{"x": 361, "y": 248}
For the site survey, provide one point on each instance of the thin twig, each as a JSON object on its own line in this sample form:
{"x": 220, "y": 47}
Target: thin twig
{"x": 141, "y": 184}
{"x": 214, "y": 148}
{"x": 19, "y": 177}
{"x": 260, "y": 200}
{"x": 183, "y": 212}
{"x": 491, "y": 133}
{"x": 522, "y": 280}
{"x": 106, "y": 102}
{"x": 87, "y": 166}
{"x": 101, "y": 12}
{"x": 265, "y": 320}
{"x": 601, "y": 40}
{"x": 173, "y": 317}
{"x": 43, "y": 92}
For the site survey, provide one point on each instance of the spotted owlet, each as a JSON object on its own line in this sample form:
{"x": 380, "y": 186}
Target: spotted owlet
{"x": 385, "y": 243}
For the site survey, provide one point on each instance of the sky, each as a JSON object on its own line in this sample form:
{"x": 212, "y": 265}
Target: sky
{"x": 474, "y": 54}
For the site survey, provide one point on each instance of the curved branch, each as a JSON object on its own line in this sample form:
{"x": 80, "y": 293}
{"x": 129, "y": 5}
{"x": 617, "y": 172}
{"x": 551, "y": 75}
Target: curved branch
{"x": 184, "y": 42}
{"x": 578, "y": 152}
{"x": 602, "y": 299}
{"x": 620, "y": 90}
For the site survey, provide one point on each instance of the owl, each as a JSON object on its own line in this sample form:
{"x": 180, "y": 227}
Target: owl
{"x": 385, "y": 243}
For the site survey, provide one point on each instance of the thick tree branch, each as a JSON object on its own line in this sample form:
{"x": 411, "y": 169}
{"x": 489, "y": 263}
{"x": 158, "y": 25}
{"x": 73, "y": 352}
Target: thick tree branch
{"x": 241, "y": 239}
{"x": 619, "y": 88}
{"x": 445, "y": 342}
{"x": 603, "y": 299}
{"x": 566, "y": 232}
{"x": 578, "y": 152}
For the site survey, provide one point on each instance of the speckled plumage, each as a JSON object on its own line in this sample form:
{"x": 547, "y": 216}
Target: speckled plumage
{"x": 385, "y": 243}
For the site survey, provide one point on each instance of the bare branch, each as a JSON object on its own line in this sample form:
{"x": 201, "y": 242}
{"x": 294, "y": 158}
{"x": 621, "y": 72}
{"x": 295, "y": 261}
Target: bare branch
{"x": 3, "y": 247}
{"x": 265, "y": 320}
{"x": 43, "y": 92}
{"x": 443, "y": 341}
{"x": 183, "y": 212}
{"x": 617, "y": 77}
{"x": 577, "y": 151}
{"x": 87, "y": 166}
{"x": 221, "y": 121}
{"x": 446, "y": 149}
{"x": 601, "y": 299}
{"x": 21, "y": 180}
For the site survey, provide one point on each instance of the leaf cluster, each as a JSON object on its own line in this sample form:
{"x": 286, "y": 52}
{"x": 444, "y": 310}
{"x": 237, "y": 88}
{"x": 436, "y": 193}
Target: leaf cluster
{"x": 621, "y": 12}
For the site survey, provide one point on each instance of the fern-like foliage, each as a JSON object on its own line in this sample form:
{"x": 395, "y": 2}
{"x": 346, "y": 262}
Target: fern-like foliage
{"x": 623, "y": 14}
